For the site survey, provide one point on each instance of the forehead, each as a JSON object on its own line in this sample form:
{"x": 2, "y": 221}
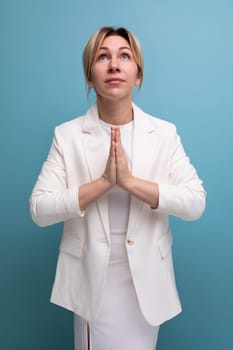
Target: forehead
{"x": 115, "y": 42}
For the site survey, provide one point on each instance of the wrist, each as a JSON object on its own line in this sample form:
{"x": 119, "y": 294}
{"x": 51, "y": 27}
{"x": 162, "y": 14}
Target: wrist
{"x": 106, "y": 182}
{"x": 127, "y": 183}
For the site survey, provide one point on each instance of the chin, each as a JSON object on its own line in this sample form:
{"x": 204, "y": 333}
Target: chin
{"x": 114, "y": 96}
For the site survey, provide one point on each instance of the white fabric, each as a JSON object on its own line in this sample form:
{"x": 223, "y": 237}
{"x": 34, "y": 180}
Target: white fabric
{"x": 80, "y": 333}
{"x": 77, "y": 157}
{"x": 120, "y": 323}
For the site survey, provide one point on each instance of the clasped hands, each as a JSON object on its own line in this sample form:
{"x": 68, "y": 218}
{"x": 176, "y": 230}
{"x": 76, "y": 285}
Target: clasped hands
{"x": 117, "y": 173}
{"x": 117, "y": 170}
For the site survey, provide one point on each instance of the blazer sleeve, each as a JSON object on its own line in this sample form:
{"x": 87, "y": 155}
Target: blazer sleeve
{"x": 51, "y": 200}
{"x": 183, "y": 196}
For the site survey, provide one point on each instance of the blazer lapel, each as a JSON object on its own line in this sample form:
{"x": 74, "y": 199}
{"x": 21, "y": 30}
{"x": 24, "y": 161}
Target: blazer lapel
{"x": 96, "y": 156}
{"x": 143, "y": 157}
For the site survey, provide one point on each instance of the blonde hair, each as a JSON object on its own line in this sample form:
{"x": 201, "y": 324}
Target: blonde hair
{"x": 96, "y": 40}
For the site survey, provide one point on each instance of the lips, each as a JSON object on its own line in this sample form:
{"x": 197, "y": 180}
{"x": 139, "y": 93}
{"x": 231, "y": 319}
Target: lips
{"x": 114, "y": 80}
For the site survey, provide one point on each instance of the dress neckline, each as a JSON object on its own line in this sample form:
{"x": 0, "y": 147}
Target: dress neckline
{"x": 106, "y": 125}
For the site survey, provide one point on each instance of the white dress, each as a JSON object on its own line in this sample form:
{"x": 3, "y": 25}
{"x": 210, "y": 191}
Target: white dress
{"x": 119, "y": 324}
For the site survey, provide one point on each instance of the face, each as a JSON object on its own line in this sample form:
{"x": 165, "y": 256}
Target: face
{"x": 114, "y": 72}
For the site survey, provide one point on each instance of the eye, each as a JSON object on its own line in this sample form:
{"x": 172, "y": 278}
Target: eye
{"x": 125, "y": 56}
{"x": 103, "y": 57}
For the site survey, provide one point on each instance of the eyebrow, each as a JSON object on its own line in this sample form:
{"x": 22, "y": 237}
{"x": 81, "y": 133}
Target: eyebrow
{"x": 120, "y": 48}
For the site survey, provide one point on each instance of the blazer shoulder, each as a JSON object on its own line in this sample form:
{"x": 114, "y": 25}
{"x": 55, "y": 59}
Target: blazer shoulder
{"x": 70, "y": 127}
{"x": 160, "y": 124}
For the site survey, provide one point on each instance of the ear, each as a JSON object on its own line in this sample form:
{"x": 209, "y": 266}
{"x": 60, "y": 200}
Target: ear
{"x": 90, "y": 84}
{"x": 138, "y": 81}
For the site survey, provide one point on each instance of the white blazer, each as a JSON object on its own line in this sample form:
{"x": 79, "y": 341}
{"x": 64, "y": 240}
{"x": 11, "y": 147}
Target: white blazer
{"x": 77, "y": 156}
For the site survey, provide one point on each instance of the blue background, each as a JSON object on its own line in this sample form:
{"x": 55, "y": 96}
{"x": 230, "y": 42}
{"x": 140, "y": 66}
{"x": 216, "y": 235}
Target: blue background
{"x": 188, "y": 81}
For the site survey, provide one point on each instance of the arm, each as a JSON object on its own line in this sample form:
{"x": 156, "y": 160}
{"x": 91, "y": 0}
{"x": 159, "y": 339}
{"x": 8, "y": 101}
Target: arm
{"x": 182, "y": 196}
{"x": 52, "y": 201}
{"x": 144, "y": 190}
{"x": 91, "y": 191}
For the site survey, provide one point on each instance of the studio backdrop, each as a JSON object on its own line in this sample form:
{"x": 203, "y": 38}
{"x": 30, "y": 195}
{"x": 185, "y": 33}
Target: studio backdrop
{"x": 188, "y": 81}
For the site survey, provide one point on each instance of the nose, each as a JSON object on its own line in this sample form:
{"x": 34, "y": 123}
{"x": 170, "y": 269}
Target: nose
{"x": 113, "y": 65}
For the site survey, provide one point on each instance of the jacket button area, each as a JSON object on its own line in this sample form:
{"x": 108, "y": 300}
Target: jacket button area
{"x": 129, "y": 242}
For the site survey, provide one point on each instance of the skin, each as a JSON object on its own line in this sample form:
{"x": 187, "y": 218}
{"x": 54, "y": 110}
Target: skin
{"x": 114, "y": 75}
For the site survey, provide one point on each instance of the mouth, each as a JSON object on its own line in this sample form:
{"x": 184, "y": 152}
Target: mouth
{"x": 114, "y": 80}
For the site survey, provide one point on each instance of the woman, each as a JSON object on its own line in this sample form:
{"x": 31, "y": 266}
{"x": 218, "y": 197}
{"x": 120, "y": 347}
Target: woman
{"x": 114, "y": 176}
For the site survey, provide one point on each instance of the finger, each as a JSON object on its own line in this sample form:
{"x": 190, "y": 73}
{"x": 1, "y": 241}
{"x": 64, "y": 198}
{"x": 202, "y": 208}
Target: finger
{"x": 115, "y": 131}
{"x": 118, "y": 135}
{"x": 120, "y": 148}
{"x": 112, "y": 146}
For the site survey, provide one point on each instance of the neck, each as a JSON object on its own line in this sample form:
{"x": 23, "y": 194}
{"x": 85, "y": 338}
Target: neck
{"x": 115, "y": 112}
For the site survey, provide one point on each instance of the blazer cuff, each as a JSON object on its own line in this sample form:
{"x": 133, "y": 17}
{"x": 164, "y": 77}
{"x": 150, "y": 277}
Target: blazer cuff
{"x": 75, "y": 208}
{"x": 167, "y": 198}
{"x": 181, "y": 201}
